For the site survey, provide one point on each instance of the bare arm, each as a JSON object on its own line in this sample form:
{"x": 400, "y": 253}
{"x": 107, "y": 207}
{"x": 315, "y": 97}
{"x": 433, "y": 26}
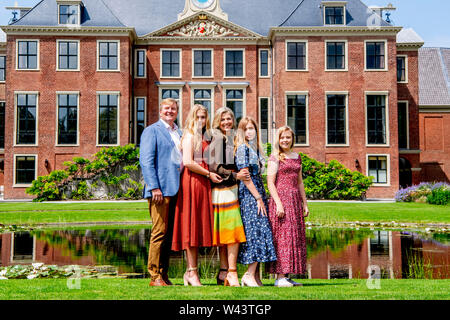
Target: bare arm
{"x": 259, "y": 200}
{"x": 272, "y": 169}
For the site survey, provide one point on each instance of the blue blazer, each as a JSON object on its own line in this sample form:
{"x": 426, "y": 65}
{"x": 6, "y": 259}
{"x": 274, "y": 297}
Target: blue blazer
{"x": 160, "y": 161}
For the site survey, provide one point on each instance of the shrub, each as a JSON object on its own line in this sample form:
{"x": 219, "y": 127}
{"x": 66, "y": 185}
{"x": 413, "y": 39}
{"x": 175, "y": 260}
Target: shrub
{"x": 424, "y": 192}
{"x": 107, "y": 166}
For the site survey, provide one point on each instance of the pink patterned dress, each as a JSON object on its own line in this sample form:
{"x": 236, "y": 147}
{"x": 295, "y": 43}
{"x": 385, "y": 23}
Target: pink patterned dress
{"x": 288, "y": 232}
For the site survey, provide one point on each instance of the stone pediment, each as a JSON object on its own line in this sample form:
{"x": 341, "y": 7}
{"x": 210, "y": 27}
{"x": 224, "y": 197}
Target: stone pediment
{"x": 203, "y": 26}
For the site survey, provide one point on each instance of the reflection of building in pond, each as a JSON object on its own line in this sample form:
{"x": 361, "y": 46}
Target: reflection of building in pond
{"x": 332, "y": 254}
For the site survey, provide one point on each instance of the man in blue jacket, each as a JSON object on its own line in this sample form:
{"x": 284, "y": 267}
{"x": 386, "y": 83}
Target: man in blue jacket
{"x": 160, "y": 160}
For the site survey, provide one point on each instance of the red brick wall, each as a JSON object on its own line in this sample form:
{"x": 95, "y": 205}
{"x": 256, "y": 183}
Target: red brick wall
{"x": 317, "y": 81}
{"x": 48, "y": 81}
{"x": 410, "y": 92}
{"x": 435, "y": 146}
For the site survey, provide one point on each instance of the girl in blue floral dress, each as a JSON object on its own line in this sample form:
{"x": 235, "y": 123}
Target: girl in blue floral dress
{"x": 253, "y": 202}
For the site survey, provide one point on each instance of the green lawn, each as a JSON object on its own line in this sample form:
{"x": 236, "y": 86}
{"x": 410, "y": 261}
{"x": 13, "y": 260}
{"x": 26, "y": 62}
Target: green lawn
{"x": 138, "y": 289}
{"x": 329, "y": 213}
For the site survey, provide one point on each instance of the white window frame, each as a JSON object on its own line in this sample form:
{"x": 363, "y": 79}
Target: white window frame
{"x": 345, "y": 58}
{"x": 244, "y": 97}
{"x": 22, "y": 261}
{"x": 204, "y": 87}
{"x": 244, "y": 67}
{"x": 347, "y": 132}
{"x": 57, "y": 119}
{"x": 377, "y": 93}
{"x": 136, "y": 51}
{"x": 193, "y": 63}
{"x": 178, "y": 87}
{"x": 69, "y": 3}
{"x": 38, "y": 57}
{"x": 161, "y": 63}
{"x": 268, "y": 63}
{"x": 406, "y": 67}
{"x": 15, "y": 118}
{"x": 98, "y": 93}
{"x": 15, "y": 185}
{"x": 4, "y": 55}
{"x": 135, "y": 115}
{"x": 118, "y": 56}
{"x": 334, "y": 4}
{"x": 306, "y": 57}
{"x": 407, "y": 121}
{"x": 2, "y": 150}
{"x": 388, "y": 169}
{"x": 78, "y": 55}
{"x": 298, "y": 93}
{"x": 268, "y": 118}
{"x": 386, "y": 60}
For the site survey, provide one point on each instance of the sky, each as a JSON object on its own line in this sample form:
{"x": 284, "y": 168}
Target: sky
{"x": 429, "y": 18}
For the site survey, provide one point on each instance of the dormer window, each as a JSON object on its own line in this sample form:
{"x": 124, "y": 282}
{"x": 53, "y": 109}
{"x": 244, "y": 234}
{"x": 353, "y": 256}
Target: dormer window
{"x": 334, "y": 12}
{"x": 69, "y": 12}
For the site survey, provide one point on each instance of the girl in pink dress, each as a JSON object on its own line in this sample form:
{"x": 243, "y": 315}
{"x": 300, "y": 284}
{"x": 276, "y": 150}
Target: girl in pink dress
{"x": 287, "y": 209}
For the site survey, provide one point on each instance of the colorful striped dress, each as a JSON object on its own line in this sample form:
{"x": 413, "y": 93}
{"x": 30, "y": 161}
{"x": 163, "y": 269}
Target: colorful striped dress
{"x": 228, "y": 227}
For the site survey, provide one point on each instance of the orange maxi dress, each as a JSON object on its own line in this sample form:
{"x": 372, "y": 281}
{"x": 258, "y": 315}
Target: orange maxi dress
{"x": 194, "y": 217}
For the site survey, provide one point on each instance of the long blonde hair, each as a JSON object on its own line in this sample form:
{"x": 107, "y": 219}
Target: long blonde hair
{"x": 218, "y": 117}
{"x": 191, "y": 126}
{"x": 240, "y": 135}
{"x": 278, "y": 151}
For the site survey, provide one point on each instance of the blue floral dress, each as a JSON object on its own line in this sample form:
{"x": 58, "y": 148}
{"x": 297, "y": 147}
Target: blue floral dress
{"x": 259, "y": 246}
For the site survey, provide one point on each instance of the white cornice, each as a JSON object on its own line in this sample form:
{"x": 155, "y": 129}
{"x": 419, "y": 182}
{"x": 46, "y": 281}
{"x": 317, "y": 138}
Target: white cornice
{"x": 333, "y": 30}
{"x": 72, "y": 31}
{"x": 413, "y": 46}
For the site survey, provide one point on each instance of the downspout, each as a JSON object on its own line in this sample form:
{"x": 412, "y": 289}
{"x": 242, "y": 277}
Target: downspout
{"x": 272, "y": 125}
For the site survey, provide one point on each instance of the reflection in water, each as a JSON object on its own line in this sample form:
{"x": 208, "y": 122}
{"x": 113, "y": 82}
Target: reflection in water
{"x": 332, "y": 253}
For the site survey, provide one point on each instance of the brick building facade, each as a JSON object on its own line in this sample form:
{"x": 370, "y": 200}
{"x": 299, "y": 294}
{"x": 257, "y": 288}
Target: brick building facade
{"x": 329, "y": 69}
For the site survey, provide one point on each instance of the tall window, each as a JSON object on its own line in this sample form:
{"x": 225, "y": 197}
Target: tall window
{"x": 378, "y": 169}
{"x": 174, "y": 94}
{"x": 68, "y": 14}
{"x": 401, "y": 69}
{"x": 375, "y": 55}
{"x": 203, "y": 97}
{"x": 376, "y": 119}
{"x": 68, "y": 55}
{"x": 25, "y": 169}
{"x": 296, "y": 117}
{"x": 336, "y": 55}
{"x": 264, "y": 63}
{"x": 108, "y": 119}
{"x": 67, "y": 119}
{"x": 403, "y": 125}
{"x": 140, "y": 118}
{"x": 2, "y": 125}
{"x": 2, "y": 68}
{"x": 26, "y": 118}
{"x": 336, "y": 119}
{"x": 296, "y": 55}
{"x": 235, "y": 101}
{"x": 170, "y": 63}
{"x": 234, "y": 62}
{"x": 27, "y": 55}
{"x": 202, "y": 63}
{"x": 334, "y": 15}
{"x": 141, "y": 63}
{"x": 264, "y": 119}
{"x": 108, "y": 55}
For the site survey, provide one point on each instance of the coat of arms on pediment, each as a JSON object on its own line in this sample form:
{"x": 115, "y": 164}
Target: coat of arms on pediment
{"x": 203, "y": 26}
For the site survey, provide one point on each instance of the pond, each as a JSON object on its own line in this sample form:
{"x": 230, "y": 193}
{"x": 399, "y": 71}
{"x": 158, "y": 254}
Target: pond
{"x": 333, "y": 253}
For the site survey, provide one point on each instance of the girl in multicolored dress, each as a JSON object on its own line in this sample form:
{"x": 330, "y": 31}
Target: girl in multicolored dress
{"x": 252, "y": 198}
{"x": 287, "y": 209}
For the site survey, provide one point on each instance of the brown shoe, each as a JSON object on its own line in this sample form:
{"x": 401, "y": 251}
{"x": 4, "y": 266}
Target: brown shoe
{"x": 158, "y": 283}
{"x": 166, "y": 280}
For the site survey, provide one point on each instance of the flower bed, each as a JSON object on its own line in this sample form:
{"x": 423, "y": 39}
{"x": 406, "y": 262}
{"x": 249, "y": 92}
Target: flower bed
{"x": 425, "y": 192}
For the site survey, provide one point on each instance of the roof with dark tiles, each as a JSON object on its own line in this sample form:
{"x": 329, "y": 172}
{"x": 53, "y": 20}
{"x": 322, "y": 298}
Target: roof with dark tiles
{"x": 434, "y": 77}
{"x": 147, "y": 16}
